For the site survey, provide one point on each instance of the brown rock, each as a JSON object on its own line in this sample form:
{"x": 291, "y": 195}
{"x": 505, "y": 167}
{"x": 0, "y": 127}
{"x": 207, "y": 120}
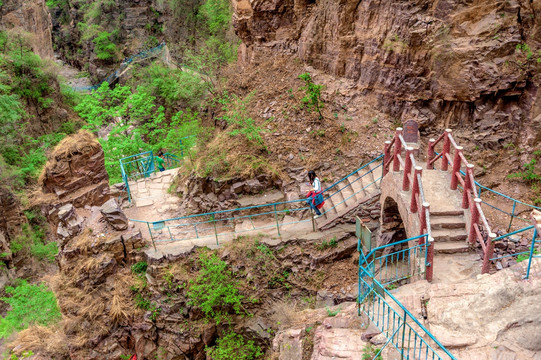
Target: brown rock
{"x": 31, "y": 16}
{"x": 75, "y": 172}
{"x": 114, "y": 215}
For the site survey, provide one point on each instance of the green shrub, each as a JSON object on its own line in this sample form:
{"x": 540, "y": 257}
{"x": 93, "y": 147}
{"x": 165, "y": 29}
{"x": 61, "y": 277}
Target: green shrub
{"x": 237, "y": 118}
{"x": 44, "y": 251}
{"x": 214, "y": 291}
{"x": 32, "y": 238}
{"x": 234, "y": 346}
{"x": 105, "y": 49}
{"x": 312, "y": 99}
{"x": 139, "y": 268}
{"x": 29, "y": 304}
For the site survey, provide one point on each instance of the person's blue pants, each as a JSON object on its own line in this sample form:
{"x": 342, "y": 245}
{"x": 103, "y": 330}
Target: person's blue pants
{"x": 319, "y": 200}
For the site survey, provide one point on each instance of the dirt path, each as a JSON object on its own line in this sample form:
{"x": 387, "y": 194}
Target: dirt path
{"x": 74, "y": 78}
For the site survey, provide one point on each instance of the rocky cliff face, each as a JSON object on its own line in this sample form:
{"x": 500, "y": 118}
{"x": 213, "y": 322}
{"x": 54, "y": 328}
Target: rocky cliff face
{"x": 444, "y": 63}
{"x": 134, "y": 25}
{"x": 31, "y": 16}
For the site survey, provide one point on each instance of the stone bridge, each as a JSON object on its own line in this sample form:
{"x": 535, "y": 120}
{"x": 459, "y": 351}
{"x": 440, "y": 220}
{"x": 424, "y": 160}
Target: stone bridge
{"x": 419, "y": 198}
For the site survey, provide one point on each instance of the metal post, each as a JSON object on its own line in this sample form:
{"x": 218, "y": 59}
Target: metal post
{"x": 468, "y": 186}
{"x": 397, "y": 149}
{"x": 430, "y": 260}
{"x": 446, "y": 149}
{"x": 512, "y": 215}
{"x": 403, "y": 335}
{"x": 407, "y": 170}
{"x": 215, "y": 231}
{"x": 457, "y": 161}
{"x": 415, "y": 191}
{"x": 531, "y": 254}
{"x": 488, "y": 253}
{"x": 474, "y": 220}
{"x": 430, "y": 154}
{"x": 424, "y": 227}
{"x": 151, "y": 237}
{"x": 386, "y": 157}
{"x": 276, "y": 218}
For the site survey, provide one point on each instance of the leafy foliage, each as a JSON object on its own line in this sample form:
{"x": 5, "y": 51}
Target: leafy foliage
{"x": 24, "y": 80}
{"x": 531, "y": 176}
{"x": 233, "y": 346}
{"x": 29, "y": 304}
{"x": 312, "y": 99}
{"x": 172, "y": 87}
{"x": 105, "y": 48}
{"x": 215, "y": 291}
{"x": 370, "y": 351}
{"x": 236, "y": 116}
{"x": 138, "y": 123}
{"x": 32, "y": 239}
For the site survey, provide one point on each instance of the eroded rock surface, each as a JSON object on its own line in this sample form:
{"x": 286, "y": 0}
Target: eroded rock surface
{"x": 31, "y": 16}
{"x": 75, "y": 174}
{"x": 444, "y": 63}
{"x": 113, "y": 215}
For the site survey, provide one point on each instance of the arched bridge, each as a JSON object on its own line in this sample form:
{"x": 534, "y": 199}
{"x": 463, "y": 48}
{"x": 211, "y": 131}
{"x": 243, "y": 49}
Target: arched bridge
{"x": 435, "y": 196}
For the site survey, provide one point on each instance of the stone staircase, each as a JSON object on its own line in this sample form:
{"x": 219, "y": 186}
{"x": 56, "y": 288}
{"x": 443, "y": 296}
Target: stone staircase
{"x": 350, "y": 193}
{"x": 447, "y": 218}
{"x": 153, "y": 189}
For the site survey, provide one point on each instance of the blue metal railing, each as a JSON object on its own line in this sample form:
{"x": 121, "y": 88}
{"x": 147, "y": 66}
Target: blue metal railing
{"x": 145, "y": 54}
{"x": 531, "y": 253}
{"x": 513, "y": 214}
{"x": 143, "y": 165}
{"x": 402, "y": 330}
{"x": 222, "y": 223}
{"x": 400, "y": 264}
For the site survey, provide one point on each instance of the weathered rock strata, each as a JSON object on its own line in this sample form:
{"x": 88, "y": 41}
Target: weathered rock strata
{"x": 444, "y": 63}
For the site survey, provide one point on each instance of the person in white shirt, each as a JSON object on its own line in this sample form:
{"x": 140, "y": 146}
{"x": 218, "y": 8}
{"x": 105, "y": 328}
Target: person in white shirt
{"x": 315, "y": 197}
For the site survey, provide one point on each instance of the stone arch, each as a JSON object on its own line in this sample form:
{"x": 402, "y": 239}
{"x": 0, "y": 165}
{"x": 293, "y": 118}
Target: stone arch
{"x": 392, "y": 225}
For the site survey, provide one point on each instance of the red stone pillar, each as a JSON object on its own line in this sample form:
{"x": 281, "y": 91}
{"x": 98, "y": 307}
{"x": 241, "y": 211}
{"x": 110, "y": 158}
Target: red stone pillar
{"x": 468, "y": 186}
{"x": 397, "y": 149}
{"x": 474, "y": 220}
{"x": 386, "y": 157}
{"x": 488, "y": 253}
{"x": 457, "y": 161}
{"x": 446, "y": 149}
{"x": 414, "y": 206}
{"x": 407, "y": 170}
{"x": 430, "y": 154}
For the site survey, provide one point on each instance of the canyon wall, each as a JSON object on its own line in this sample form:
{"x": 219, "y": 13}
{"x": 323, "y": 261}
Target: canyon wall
{"x": 33, "y": 17}
{"x": 444, "y": 63}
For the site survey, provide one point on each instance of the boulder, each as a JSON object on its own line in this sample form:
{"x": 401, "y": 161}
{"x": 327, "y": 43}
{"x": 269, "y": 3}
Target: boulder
{"x": 114, "y": 215}
{"x": 75, "y": 171}
{"x": 69, "y": 222}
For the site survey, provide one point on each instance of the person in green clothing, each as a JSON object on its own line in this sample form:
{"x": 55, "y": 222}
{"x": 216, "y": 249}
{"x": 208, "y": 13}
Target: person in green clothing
{"x": 161, "y": 162}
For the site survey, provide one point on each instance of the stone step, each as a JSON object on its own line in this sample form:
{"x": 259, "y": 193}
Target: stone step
{"x": 447, "y": 222}
{"x": 356, "y": 185}
{"x": 377, "y": 171}
{"x": 347, "y": 193}
{"x": 449, "y": 234}
{"x": 143, "y": 202}
{"x": 457, "y": 212}
{"x": 329, "y": 209}
{"x": 338, "y": 200}
{"x": 368, "y": 183}
{"x": 450, "y": 247}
